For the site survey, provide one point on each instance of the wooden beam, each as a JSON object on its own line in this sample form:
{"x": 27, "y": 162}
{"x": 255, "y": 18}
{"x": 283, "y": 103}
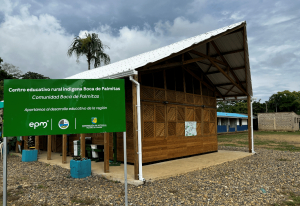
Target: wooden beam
{"x": 176, "y": 64}
{"x": 238, "y": 95}
{"x": 49, "y": 148}
{"x": 210, "y": 66}
{"x": 106, "y": 152}
{"x": 229, "y": 52}
{"x": 64, "y": 149}
{"x": 226, "y": 84}
{"x": 225, "y": 95}
{"x": 37, "y": 143}
{"x": 249, "y": 123}
{"x": 194, "y": 46}
{"x": 227, "y": 76}
{"x": 25, "y": 142}
{"x": 203, "y": 82}
{"x": 193, "y": 60}
{"x": 207, "y": 49}
{"x": 135, "y": 128}
{"x": 245, "y": 56}
{"x": 208, "y": 57}
{"x": 82, "y": 145}
{"x": 198, "y": 78}
{"x": 215, "y": 72}
{"x": 229, "y": 90}
{"x": 228, "y": 66}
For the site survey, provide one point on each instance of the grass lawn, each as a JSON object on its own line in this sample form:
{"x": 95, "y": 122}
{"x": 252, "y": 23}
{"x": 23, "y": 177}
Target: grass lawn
{"x": 284, "y": 141}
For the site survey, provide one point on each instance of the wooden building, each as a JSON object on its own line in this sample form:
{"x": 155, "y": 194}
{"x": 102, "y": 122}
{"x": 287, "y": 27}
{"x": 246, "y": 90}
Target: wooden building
{"x": 278, "y": 121}
{"x": 175, "y": 89}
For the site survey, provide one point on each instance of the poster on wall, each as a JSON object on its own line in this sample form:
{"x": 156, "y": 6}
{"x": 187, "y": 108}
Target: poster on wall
{"x": 63, "y": 106}
{"x": 190, "y": 128}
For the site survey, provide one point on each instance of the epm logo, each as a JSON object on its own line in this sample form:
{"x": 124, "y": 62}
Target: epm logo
{"x": 38, "y": 124}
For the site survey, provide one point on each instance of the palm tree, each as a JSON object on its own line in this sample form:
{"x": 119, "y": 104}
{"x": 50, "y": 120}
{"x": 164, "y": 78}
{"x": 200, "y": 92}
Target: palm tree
{"x": 92, "y": 47}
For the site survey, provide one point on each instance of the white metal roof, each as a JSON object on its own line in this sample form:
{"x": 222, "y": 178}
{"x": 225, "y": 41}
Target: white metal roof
{"x": 224, "y": 43}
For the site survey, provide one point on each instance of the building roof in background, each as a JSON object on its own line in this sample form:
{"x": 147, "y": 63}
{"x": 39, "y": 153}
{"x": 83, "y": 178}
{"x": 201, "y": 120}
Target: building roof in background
{"x": 232, "y": 115}
{"x": 226, "y": 64}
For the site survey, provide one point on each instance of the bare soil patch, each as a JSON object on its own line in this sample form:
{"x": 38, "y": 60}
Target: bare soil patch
{"x": 292, "y": 139}
{"x": 285, "y": 141}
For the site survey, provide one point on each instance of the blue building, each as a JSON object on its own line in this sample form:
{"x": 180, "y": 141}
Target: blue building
{"x": 231, "y": 122}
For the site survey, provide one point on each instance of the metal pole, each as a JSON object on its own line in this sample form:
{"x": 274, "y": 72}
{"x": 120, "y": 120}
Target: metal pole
{"x": 4, "y": 171}
{"x": 252, "y": 136}
{"x": 125, "y": 168}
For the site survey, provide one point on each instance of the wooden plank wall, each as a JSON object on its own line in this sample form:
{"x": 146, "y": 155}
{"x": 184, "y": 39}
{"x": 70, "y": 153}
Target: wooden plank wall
{"x": 163, "y": 125}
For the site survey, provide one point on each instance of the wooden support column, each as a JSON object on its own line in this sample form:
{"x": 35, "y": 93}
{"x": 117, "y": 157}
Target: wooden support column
{"x": 106, "y": 152}
{"x": 37, "y": 143}
{"x": 135, "y": 128}
{"x": 25, "y": 142}
{"x": 17, "y": 148}
{"x": 64, "y": 149}
{"x": 49, "y": 148}
{"x": 249, "y": 123}
{"x": 82, "y": 145}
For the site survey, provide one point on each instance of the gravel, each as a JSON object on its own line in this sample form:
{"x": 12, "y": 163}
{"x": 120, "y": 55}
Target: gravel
{"x": 265, "y": 178}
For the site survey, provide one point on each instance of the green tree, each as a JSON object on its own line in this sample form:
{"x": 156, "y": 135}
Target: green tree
{"x": 3, "y": 75}
{"x": 258, "y": 107}
{"x": 285, "y": 101}
{"x": 1, "y": 60}
{"x": 33, "y": 75}
{"x": 241, "y": 106}
{"x": 12, "y": 69}
{"x": 91, "y": 47}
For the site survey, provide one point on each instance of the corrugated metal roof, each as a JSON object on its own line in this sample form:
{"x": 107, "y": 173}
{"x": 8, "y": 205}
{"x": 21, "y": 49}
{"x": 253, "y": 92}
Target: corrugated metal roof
{"x": 231, "y": 115}
{"x": 225, "y": 43}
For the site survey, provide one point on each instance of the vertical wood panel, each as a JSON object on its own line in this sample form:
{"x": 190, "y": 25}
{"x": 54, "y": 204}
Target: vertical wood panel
{"x": 64, "y": 149}
{"x": 37, "y": 143}
{"x": 25, "y": 142}
{"x": 106, "y": 152}
{"x": 82, "y": 145}
{"x": 49, "y": 148}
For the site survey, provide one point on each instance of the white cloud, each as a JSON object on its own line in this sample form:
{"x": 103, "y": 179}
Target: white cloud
{"x": 237, "y": 16}
{"x": 277, "y": 20}
{"x": 40, "y": 43}
{"x": 7, "y": 6}
{"x": 36, "y": 43}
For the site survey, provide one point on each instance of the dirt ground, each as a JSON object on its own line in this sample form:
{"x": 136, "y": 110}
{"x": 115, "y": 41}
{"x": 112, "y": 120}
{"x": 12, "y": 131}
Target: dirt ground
{"x": 292, "y": 139}
{"x": 285, "y": 141}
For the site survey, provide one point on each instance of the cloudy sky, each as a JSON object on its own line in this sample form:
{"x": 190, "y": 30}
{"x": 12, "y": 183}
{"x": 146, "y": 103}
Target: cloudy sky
{"x": 35, "y": 35}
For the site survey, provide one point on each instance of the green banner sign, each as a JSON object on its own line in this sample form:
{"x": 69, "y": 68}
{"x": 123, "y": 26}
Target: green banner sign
{"x": 64, "y": 106}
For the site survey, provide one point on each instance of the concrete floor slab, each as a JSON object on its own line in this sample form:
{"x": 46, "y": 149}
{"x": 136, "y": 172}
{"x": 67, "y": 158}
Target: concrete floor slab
{"x": 154, "y": 171}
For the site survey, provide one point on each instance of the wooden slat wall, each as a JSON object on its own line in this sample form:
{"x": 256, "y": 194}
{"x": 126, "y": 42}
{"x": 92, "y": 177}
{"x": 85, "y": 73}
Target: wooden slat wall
{"x": 163, "y": 126}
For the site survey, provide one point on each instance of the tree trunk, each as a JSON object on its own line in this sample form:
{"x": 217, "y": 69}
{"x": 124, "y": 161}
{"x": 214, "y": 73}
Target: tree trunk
{"x": 89, "y": 63}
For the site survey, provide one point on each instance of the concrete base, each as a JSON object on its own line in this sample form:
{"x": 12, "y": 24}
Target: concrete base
{"x": 153, "y": 171}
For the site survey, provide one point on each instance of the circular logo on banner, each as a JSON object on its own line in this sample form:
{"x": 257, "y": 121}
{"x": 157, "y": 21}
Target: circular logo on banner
{"x": 63, "y": 123}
